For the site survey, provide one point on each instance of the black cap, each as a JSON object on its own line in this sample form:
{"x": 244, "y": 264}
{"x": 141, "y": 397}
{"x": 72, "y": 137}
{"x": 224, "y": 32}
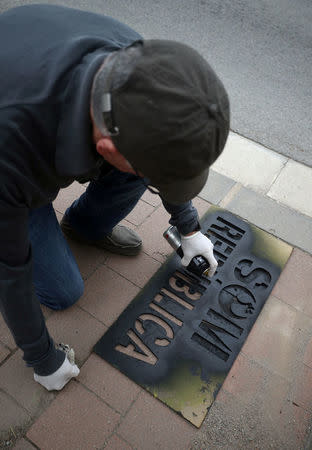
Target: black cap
{"x": 173, "y": 115}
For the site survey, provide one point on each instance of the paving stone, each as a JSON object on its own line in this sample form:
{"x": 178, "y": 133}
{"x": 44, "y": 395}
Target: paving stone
{"x": 116, "y": 443}
{"x": 302, "y": 388}
{"x": 244, "y": 378}
{"x": 4, "y": 352}
{"x": 5, "y": 335}
{"x": 235, "y": 424}
{"x": 128, "y": 224}
{"x": 307, "y": 358}
{"x": 201, "y": 205}
{"x": 278, "y": 357}
{"x": 141, "y": 211}
{"x": 22, "y": 444}
{"x": 277, "y": 219}
{"x": 216, "y": 188}
{"x": 276, "y": 314}
{"x": 88, "y": 258}
{"x": 18, "y": 381}
{"x": 249, "y": 163}
{"x": 151, "y": 425}
{"x": 108, "y": 383}
{"x": 66, "y": 196}
{"x": 151, "y": 232}
{"x": 278, "y": 338}
{"x": 15, "y": 417}
{"x": 273, "y": 393}
{"x": 138, "y": 269}
{"x": 76, "y": 420}
{"x": 107, "y": 294}
{"x": 251, "y": 382}
{"x": 293, "y": 187}
{"x": 295, "y": 284}
{"x": 76, "y": 328}
{"x": 227, "y": 426}
{"x": 294, "y": 424}
{"x": 308, "y": 441}
{"x": 150, "y": 198}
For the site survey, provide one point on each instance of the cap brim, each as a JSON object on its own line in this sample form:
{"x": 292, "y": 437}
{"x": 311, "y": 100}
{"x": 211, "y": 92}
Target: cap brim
{"x": 179, "y": 192}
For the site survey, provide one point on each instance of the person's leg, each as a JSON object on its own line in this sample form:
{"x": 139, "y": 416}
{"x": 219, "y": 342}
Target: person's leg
{"x": 104, "y": 204}
{"x": 57, "y": 280}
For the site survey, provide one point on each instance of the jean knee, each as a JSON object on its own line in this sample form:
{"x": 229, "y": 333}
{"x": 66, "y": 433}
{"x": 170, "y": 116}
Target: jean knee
{"x": 72, "y": 294}
{"x": 64, "y": 298}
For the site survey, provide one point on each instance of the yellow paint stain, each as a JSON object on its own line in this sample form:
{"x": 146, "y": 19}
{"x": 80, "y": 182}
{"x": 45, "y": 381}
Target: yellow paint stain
{"x": 265, "y": 245}
{"x": 187, "y": 393}
{"x": 270, "y": 247}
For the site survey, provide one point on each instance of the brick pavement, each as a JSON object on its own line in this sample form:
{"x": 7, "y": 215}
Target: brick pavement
{"x": 265, "y": 402}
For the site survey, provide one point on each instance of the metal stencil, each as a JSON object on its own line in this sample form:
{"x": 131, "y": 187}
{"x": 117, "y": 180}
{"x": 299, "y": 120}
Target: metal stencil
{"x": 180, "y": 336}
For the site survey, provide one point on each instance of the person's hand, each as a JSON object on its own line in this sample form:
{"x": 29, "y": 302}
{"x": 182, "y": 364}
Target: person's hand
{"x": 57, "y": 380}
{"x": 198, "y": 244}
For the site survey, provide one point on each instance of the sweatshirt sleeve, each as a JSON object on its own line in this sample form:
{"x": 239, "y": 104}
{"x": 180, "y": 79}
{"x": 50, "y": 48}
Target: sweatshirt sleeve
{"x": 18, "y": 304}
{"x": 184, "y": 217}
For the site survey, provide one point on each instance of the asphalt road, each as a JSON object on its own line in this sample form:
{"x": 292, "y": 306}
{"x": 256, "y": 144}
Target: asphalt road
{"x": 261, "y": 49}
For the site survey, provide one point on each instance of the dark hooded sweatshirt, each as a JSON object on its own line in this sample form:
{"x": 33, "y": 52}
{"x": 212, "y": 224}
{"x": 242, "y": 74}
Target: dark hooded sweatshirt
{"x": 48, "y": 58}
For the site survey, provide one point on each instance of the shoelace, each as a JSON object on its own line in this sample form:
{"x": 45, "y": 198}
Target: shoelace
{"x": 68, "y": 350}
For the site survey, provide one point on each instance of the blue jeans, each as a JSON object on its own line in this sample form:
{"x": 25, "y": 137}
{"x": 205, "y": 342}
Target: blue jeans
{"x": 57, "y": 280}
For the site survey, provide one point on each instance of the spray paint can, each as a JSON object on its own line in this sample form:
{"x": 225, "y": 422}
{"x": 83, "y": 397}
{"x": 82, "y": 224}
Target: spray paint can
{"x": 199, "y": 265}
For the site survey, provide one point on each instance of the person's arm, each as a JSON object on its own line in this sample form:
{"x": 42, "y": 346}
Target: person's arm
{"x": 18, "y": 190}
{"x": 193, "y": 241}
{"x": 18, "y": 304}
{"x": 184, "y": 217}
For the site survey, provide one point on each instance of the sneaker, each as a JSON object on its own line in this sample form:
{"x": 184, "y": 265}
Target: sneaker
{"x": 121, "y": 240}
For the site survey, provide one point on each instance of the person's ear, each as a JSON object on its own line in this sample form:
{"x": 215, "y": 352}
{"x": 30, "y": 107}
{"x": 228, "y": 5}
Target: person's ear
{"x": 105, "y": 147}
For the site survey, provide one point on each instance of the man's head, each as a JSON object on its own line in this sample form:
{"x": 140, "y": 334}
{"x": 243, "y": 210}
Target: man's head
{"x": 166, "y": 112}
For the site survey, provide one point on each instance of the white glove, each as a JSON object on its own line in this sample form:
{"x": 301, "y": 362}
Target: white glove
{"x": 198, "y": 244}
{"x": 57, "y": 380}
